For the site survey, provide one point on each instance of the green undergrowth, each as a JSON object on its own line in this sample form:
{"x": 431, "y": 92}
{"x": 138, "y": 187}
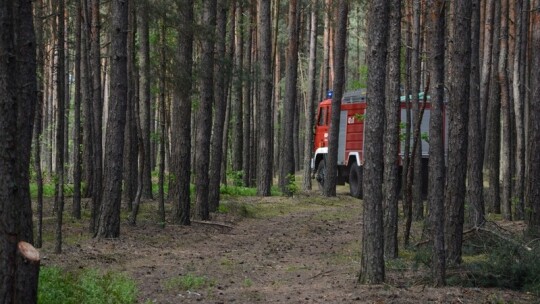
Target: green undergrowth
{"x": 87, "y": 286}
{"x": 189, "y": 282}
{"x": 504, "y": 265}
{"x": 488, "y": 262}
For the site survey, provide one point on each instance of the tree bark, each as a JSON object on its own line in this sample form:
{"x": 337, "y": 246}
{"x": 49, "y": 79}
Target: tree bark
{"x": 265, "y": 155}
{"x": 505, "y": 173}
{"x": 130, "y": 171}
{"x": 436, "y": 140}
{"x": 97, "y": 112}
{"x": 391, "y": 143}
{"x": 109, "y": 217}
{"x": 416, "y": 181}
{"x": 18, "y": 96}
{"x": 204, "y": 114}
{"x": 76, "y": 210}
{"x": 492, "y": 142}
{"x": 532, "y": 195}
{"x": 518, "y": 89}
{"x": 485, "y": 72}
{"x": 289, "y": 104}
{"x": 222, "y": 73}
{"x": 475, "y": 153}
{"x": 372, "y": 260}
{"x": 236, "y": 114}
{"x": 60, "y": 117}
{"x": 145, "y": 114}
{"x": 459, "y": 73}
{"x": 181, "y": 115}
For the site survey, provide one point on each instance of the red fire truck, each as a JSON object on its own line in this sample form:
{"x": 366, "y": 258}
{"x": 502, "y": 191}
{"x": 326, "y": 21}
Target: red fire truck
{"x": 351, "y": 141}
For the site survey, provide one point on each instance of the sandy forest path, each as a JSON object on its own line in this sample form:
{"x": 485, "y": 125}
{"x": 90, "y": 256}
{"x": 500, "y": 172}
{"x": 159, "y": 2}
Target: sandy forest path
{"x": 304, "y": 249}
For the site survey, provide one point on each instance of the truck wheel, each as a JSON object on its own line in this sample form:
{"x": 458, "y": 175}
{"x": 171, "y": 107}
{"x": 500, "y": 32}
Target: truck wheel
{"x": 321, "y": 174}
{"x": 355, "y": 181}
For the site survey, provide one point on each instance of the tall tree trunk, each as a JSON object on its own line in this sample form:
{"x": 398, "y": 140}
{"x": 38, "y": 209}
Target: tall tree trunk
{"x": 204, "y": 114}
{"x": 18, "y": 96}
{"x": 416, "y": 71}
{"x": 130, "y": 149}
{"x": 518, "y": 89}
{"x": 311, "y": 95}
{"x": 247, "y": 84}
{"x": 265, "y": 155}
{"x": 60, "y": 111}
{"x": 532, "y": 194}
{"x": 505, "y": 173}
{"x": 162, "y": 122}
{"x": 485, "y": 72}
{"x": 181, "y": 115}
{"x": 97, "y": 112}
{"x": 436, "y": 141}
{"x": 38, "y": 120}
{"x": 237, "y": 118}
{"x": 391, "y": 142}
{"x": 475, "y": 153}
{"x": 76, "y": 210}
{"x": 145, "y": 114}
{"x": 109, "y": 217}
{"x": 86, "y": 94}
{"x": 221, "y": 83}
{"x": 459, "y": 73}
{"x": 372, "y": 260}
{"x": 492, "y": 142}
{"x": 289, "y": 104}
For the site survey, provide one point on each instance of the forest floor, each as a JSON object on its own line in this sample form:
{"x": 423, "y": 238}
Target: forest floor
{"x": 303, "y": 249}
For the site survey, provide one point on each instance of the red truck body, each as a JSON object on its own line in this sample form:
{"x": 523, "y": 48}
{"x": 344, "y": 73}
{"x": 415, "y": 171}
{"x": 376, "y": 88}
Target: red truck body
{"x": 351, "y": 139}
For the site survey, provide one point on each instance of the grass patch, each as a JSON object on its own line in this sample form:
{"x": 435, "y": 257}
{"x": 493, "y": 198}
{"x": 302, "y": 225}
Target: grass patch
{"x": 88, "y": 286}
{"x": 188, "y": 282}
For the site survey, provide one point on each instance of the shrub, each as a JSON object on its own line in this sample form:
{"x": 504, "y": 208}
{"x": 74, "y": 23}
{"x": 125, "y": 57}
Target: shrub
{"x": 88, "y": 286}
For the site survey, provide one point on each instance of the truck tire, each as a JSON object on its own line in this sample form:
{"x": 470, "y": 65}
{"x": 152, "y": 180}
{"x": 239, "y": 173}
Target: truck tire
{"x": 321, "y": 174}
{"x": 355, "y": 181}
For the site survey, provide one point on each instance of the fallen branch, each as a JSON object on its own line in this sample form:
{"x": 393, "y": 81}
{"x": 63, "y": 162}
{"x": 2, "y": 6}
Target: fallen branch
{"x": 213, "y": 224}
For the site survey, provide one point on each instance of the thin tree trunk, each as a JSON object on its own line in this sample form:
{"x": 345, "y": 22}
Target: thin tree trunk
{"x": 492, "y": 142}
{"x": 86, "y": 94}
{"x": 145, "y": 113}
{"x": 60, "y": 94}
{"x": 416, "y": 180}
{"x": 131, "y": 141}
{"x": 236, "y": 114}
{"x": 265, "y": 155}
{"x": 247, "y": 100}
{"x": 475, "y": 154}
{"x": 311, "y": 94}
{"x": 97, "y": 112}
{"x": 372, "y": 261}
{"x": 181, "y": 116}
{"x": 289, "y": 104}
{"x": 109, "y": 217}
{"x": 505, "y": 173}
{"x": 162, "y": 122}
{"x": 532, "y": 194}
{"x": 38, "y": 128}
{"x": 204, "y": 114}
{"x": 76, "y": 210}
{"x": 391, "y": 143}
{"x": 518, "y": 89}
{"x": 436, "y": 141}
{"x": 459, "y": 71}
{"x": 485, "y": 72}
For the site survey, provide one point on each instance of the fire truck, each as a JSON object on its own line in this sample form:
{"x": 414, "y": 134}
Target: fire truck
{"x": 350, "y": 160}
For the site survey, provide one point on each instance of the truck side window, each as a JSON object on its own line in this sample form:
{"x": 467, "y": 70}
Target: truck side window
{"x": 322, "y": 117}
